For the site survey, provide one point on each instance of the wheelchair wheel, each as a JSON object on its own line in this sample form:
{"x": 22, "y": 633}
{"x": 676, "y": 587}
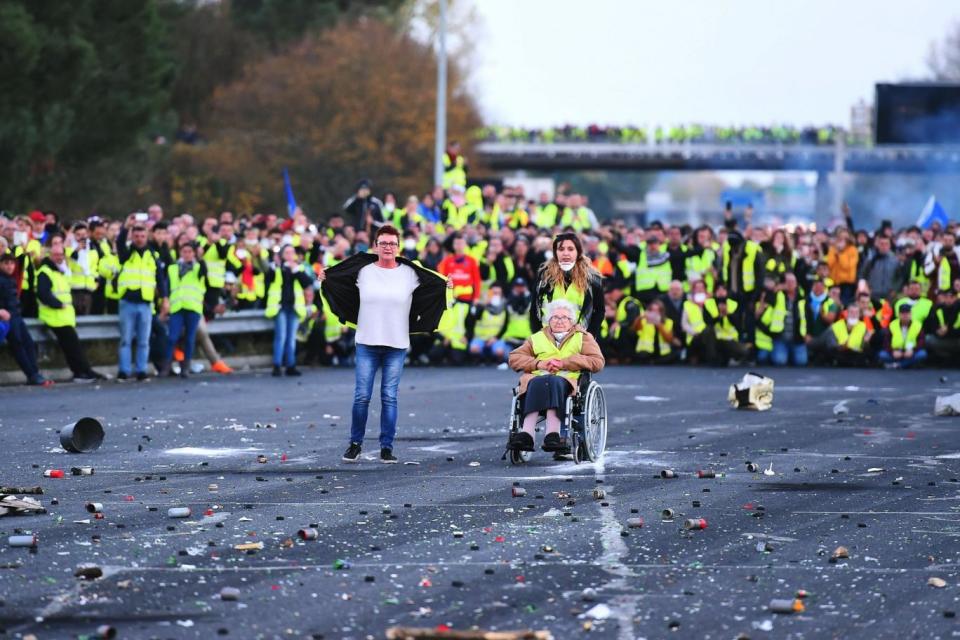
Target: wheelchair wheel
{"x": 576, "y": 448}
{"x": 595, "y": 422}
{"x": 519, "y": 457}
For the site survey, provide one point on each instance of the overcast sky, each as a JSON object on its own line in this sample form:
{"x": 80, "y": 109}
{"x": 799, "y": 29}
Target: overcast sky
{"x": 549, "y": 62}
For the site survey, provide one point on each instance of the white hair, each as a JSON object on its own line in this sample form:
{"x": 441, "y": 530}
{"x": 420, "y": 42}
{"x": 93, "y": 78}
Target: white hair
{"x": 562, "y": 303}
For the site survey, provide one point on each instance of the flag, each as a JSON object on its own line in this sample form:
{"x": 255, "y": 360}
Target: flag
{"x": 932, "y": 212}
{"x": 288, "y": 190}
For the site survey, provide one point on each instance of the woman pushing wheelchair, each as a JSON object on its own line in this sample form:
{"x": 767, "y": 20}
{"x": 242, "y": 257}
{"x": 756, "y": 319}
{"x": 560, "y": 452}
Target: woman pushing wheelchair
{"x": 553, "y": 362}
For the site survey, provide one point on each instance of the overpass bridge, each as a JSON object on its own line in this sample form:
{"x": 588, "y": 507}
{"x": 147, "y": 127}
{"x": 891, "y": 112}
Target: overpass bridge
{"x": 696, "y": 156}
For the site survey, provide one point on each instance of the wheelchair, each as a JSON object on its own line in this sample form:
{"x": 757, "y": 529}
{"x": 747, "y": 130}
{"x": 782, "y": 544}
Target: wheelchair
{"x": 583, "y": 428}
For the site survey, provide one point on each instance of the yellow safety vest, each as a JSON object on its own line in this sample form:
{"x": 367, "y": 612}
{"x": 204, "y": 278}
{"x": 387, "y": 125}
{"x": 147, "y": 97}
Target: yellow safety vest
{"x": 919, "y": 310}
{"x": 139, "y": 272}
{"x": 454, "y": 172}
{"x": 109, "y": 268}
{"x": 850, "y": 338}
{"x": 547, "y": 216}
{"x": 698, "y": 268}
{"x": 747, "y": 268}
{"x": 571, "y": 294}
{"x": 695, "y": 318}
{"x": 546, "y": 349}
{"x": 646, "y": 337}
{"x": 79, "y": 280}
{"x": 60, "y": 286}
{"x": 941, "y": 321}
{"x": 453, "y": 325}
{"x": 332, "y": 328}
{"x": 275, "y": 294}
{"x": 259, "y": 287}
{"x": 648, "y": 278}
{"x": 216, "y": 266}
{"x": 896, "y": 336}
{"x": 489, "y": 325}
{"x": 773, "y": 317}
{"x": 518, "y": 326}
{"x": 186, "y": 293}
{"x": 944, "y": 277}
{"x": 723, "y": 329}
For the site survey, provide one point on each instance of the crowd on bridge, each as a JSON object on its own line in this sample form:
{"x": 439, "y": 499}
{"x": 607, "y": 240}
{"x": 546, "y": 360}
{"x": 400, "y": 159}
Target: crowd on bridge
{"x": 657, "y": 294}
{"x": 674, "y": 134}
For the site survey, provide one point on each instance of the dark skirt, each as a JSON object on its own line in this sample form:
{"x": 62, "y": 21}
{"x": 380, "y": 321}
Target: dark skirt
{"x": 547, "y": 392}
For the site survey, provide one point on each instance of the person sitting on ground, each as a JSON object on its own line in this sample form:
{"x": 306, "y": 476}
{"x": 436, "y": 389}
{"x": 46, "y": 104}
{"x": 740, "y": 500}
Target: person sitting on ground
{"x": 551, "y": 361}
{"x": 943, "y": 339}
{"x": 904, "y": 344}
{"x": 17, "y": 336}
{"x": 486, "y": 326}
{"x": 656, "y": 341}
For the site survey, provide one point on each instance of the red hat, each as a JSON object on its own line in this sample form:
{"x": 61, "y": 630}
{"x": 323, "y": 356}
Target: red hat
{"x": 37, "y": 216}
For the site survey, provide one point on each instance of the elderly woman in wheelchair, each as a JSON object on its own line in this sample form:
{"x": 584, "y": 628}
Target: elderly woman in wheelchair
{"x": 556, "y": 363}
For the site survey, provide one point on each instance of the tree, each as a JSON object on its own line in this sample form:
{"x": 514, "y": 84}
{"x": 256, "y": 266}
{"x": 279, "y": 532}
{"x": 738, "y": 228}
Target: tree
{"x": 81, "y": 82}
{"x": 357, "y": 101}
{"x": 943, "y": 59}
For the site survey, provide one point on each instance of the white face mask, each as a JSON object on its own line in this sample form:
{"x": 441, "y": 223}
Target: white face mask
{"x": 389, "y": 207}
{"x": 19, "y": 238}
{"x": 409, "y": 244}
{"x": 852, "y": 321}
{"x": 566, "y": 266}
{"x": 560, "y": 335}
{"x": 699, "y": 298}
{"x": 496, "y": 301}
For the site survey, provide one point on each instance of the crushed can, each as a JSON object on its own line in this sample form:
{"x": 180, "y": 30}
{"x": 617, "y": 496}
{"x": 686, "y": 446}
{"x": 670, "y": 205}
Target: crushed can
{"x": 694, "y": 524}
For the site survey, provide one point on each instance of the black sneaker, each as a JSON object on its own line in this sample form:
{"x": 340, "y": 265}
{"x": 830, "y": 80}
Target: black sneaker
{"x": 141, "y": 376}
{"x": 387, "y": 457}
{"x": 552, "y": 442}
{"x": 277, "y": 372}
{"x": 293, "y": 372}
{"x": 84, "y": 378}
{"x": 123, "y": 377}
{"x": 521, "y": 441}
{"x": 352, "y": 454}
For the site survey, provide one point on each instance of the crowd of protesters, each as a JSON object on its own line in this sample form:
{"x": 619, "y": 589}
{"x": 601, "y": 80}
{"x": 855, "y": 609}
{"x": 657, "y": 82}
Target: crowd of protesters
{"x": 737, "y": 294}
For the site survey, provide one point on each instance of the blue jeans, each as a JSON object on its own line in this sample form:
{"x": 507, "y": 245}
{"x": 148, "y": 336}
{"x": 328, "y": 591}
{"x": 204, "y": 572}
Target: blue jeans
{"x": 369, "y": 359}
{"x": 795, "y": 354}
{"x": 285, "y": 338}
{"x": 135, "y": 319}
{"x": 905, "y": 363}
{"x": 498, "y": 350}
{"x": 179, "y": 321}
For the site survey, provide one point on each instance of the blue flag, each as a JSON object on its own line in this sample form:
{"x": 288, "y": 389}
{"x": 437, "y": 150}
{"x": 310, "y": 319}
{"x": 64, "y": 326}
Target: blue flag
{"x": 933, "y": 212}
{"x": 288, "y": 190}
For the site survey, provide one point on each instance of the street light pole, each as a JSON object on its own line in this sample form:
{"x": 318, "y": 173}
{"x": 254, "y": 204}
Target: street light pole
{"x": 441, "y": 132}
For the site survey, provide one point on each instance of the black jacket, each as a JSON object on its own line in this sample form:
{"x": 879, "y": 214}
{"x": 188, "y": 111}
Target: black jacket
{"x": 341, "y": 293}
{"x": 591, "y": 315}
{"x": 8, "y": 296}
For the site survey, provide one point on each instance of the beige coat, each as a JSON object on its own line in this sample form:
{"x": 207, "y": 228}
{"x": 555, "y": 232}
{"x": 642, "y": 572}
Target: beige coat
{"x": 589, "y": 359}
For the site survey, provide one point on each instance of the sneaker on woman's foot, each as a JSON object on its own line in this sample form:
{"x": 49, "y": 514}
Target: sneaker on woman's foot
{"x": 552, "y": 442}
{"x": 352, "y": 454}
{"x": 277, "y": 372}
{"x": 293, "y": 372}
{"x": 521, "y": 441}
{"x": 387, "y": 457}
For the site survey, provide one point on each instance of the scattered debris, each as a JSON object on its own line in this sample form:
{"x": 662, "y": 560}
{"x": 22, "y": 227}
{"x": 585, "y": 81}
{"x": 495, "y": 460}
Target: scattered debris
{"x": 840, "y": 409}
{"x": 754, "y": 391}
{"x": 840, "y": 553}
{"x": 947, "y": 405}
{"x": 786, "y": 605}
{"x": 693, "y": 524}
{"x": 668, "y": 474}
{"x": 939, "y": 583}
{"x": 412, "y": 633}
{"x": 769, "y": 471}
{"x": 83, "y": 437}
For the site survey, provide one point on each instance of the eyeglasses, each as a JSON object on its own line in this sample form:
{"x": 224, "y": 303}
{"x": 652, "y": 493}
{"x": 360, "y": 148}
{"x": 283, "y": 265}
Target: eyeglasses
{"x": 559, "y": 318}
{"x": 387, "y": 245}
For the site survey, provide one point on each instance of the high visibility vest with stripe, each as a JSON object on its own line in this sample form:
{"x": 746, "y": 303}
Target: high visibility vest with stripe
{"x": 547, "y": 216}
{"x": 647, "y": 336}
{"x": 579, "y": 219}
{"x": 919, "y": 310}
{"x": 489, "y": 324}
{"x": 571, "y": 294}
{"x": 546, "y": 349}
{"x": 695, "y": 318}
{"x": 332, "y": 328}
{"x": 897, "y": 341}
{"x": 649, "y": 278}
{"x": 186, "y": 293}
{"x": 723, "y": 328}
{"x": 917, "y": 274}
{"x": 216, "y": 266}
{"x": 60, "y": 287}
{"x": 275, "y": 295}
{"x": 454, "y": 173}
{"x": 850, "y": 338}
{"x": 80, "y": 279}
{"x": 942, "y": 322}
{"x": 747, "y": 268}
{"x": 139, "y": 273}
{"x": 453, "y": 325}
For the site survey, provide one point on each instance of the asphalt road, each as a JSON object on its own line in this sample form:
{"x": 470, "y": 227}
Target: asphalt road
{"x": 443, "y": 542}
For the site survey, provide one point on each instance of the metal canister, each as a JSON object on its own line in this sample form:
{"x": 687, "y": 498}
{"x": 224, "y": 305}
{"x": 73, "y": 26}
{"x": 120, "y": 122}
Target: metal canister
{"x": 667, "y": 514}
{"x": 786, "y": 605}
{"x": 693, "y": 524}
{"x": 53, "y": 473}
{"x": 230, "y": 593}
{"x": 599, "y": 494}
{"x": 82, "y": 471}
{"x": 706, "y": 473}
{"x": 94, "y": 507}
{"x": 23, "y": 541}
{"x": 634, "y": 523}
{"x": 519, "y": 492}
{"x": 753, "y": 467}
{"x": 308, "y": 533}
{"x": 179, "y": 512}
{"x": 668, "y": 473}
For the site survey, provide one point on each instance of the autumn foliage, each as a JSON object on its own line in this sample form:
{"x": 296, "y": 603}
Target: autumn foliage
{"x": 356, "y": 101}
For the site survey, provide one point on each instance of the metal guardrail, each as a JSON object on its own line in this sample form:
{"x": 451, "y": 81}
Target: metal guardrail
{"x": 107, "y": 327}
